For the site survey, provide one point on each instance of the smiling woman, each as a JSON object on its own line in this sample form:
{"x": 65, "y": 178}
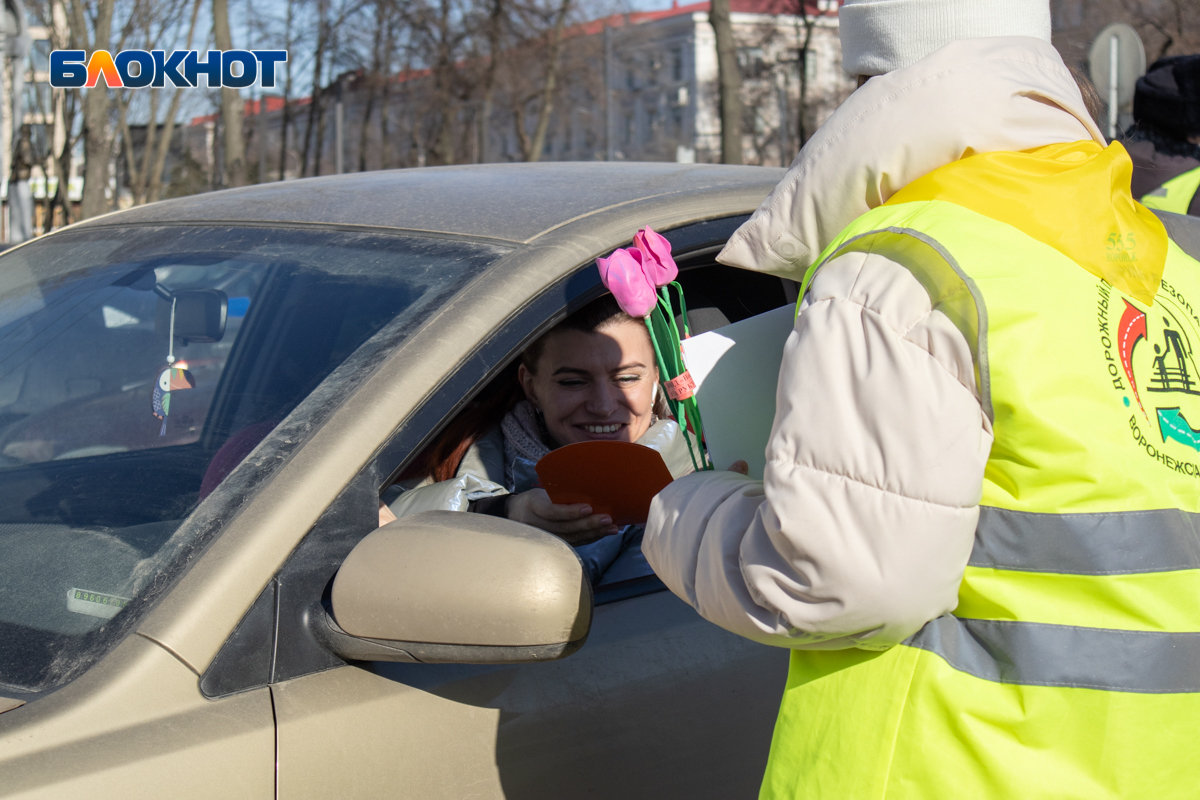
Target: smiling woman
{"x": 593, "y": 377}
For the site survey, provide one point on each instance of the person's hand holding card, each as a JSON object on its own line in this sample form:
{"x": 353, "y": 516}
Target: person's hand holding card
{"x": 574, "y": 523}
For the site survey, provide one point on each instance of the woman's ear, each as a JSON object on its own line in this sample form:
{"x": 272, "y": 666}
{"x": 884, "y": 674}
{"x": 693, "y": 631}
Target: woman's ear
{"x": 525, "y": 378}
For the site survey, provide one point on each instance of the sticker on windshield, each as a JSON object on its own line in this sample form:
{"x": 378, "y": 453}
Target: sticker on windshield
{"x": 95, "y": 604}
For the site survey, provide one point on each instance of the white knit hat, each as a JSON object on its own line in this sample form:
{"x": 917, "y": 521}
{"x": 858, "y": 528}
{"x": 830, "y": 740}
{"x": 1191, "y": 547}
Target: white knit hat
{"x": 879, "y": 36}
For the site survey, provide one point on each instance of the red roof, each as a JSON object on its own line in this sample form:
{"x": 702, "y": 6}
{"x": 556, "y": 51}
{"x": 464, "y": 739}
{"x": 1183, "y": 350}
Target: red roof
{"x": 274, "y": 103}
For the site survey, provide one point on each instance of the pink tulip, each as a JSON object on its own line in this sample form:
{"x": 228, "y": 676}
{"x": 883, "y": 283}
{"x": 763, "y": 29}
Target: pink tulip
{"x": 656, "y": 256}
{"x": 623, "y": 275}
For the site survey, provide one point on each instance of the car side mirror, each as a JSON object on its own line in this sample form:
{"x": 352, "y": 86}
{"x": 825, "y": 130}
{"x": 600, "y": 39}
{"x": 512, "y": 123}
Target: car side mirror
{"x": 200, "y": 315}
{"x": 455, "y": 587}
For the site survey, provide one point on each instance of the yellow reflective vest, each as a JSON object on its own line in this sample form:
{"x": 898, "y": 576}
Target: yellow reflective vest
{"x": 1071, "y": 666}
{"x": 1176, "y": 194}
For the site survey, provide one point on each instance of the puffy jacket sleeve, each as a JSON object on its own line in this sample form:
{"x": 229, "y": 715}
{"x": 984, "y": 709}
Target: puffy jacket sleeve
{"x": 863, "y": 524}
{"x": 480, "y": 475}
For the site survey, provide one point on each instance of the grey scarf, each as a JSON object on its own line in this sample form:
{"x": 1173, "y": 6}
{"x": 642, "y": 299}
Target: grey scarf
{"x": 524, "y": 437}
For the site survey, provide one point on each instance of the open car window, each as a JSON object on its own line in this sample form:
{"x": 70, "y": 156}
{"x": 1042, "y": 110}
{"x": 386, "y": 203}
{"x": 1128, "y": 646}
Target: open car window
{"x": 716, "y": 295}
{"x": 112, "y": 430}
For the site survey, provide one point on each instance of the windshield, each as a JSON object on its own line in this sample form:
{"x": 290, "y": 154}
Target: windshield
{"x": 138, "y": 366}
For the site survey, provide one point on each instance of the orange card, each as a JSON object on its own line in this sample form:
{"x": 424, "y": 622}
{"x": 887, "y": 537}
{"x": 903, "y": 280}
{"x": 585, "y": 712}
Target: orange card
{"x": 615, "y": 478}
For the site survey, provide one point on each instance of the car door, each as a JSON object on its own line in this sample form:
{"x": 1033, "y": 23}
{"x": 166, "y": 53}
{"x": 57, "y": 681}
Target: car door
{"x": 658, "y": 702}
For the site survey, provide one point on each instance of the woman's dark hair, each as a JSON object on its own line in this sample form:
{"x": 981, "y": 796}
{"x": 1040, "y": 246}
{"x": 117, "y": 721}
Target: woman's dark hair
{"x": 441, "y": 459}
{"x": 1091, "y": 98}
{"x": 599, "y": 313}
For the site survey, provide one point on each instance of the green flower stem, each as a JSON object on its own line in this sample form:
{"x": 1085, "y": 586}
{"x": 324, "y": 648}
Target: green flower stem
{"x": 687, "y": 413}
{"x": 673, "y": 331}
{"x": 664, "y": 335}
{"x": 662, "y": 364}
{"x": 687, "y": 331}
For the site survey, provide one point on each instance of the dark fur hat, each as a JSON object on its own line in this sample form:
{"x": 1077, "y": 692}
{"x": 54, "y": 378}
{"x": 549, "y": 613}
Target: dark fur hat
{"x": 1167, "y": 97}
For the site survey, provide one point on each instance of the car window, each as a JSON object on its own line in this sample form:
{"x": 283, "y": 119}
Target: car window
{"x": 717, "y": 295}
{"x": 138, "y": 366}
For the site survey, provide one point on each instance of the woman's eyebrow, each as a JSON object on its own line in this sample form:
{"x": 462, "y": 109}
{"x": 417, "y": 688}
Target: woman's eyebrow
{"x": 580, "y": 371}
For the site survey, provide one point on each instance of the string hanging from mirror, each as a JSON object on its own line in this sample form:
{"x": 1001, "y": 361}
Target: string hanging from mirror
{"x": 641, "y": 278}
{"x": 176, "y": 377}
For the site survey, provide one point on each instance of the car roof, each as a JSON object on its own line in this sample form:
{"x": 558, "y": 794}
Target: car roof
{"x": 509, "y": 202}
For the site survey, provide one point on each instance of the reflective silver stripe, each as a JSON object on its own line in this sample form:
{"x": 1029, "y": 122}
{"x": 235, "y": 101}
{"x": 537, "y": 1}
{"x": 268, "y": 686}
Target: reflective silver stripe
{"x": 1087, "y": 544}
{"x": 1036, "y": 654}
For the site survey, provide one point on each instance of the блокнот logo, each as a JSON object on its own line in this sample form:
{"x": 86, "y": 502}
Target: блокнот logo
{"x": 70, "y": 69}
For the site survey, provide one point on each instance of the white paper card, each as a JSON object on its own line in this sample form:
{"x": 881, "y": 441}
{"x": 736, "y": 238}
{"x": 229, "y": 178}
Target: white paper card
{"x": 736, "y": 370}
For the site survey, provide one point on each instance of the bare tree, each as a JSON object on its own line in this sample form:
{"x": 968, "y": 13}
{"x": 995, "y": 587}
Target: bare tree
{"x": 461, "y": 60}
{"x": 286, "y": 112}
{"x": 730, "y": 81}
{"x": 377, "y": 77}
{"x": 59, "y": 106}
{"x": 442, "y": 35}
{"x": 807, "y": 22}
{"x": 329, "y": 59}
{"x": 534, "y": 74}
{"x": 497, "y": 12}
{"x": 62, "y": 160}
{"x": 155, "y": 19}
{"x": 91, "y": 29}
{"x": 315, "y": 112}
{"x": 547, "y": 104}
{"x": 386, "y": 151}
{"x": 231, "y": 104}
{"x": 164, "y": 144}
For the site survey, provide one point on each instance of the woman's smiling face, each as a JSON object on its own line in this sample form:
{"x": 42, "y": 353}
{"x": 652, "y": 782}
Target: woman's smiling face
{"x": 597, "y": 385}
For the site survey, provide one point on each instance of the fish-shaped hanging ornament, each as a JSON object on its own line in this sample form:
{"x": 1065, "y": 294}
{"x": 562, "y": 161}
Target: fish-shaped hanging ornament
{"x": 176, "y": 377}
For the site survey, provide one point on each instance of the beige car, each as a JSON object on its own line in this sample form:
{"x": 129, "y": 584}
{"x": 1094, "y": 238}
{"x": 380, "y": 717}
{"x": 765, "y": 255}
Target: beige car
{"x": 201, "y": 403}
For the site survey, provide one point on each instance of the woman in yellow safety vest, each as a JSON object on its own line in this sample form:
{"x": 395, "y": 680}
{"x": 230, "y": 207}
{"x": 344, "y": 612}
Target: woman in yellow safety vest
{"x": 979, "y": 525}
{"x": 1164, "y": 141}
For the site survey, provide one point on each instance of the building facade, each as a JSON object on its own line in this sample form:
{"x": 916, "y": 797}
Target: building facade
{"x": 633, "y": 87}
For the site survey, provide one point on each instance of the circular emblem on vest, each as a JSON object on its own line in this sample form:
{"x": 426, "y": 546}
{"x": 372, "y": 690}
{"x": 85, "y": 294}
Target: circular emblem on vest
{"x": 1156, "y": 349}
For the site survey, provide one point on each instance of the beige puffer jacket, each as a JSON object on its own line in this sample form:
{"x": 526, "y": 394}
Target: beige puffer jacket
{"x": 862, "y": 527}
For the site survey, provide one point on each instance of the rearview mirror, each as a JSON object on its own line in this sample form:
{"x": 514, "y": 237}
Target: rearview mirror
{"x": 455, "y": 587}
{"x": 200, "y": 315}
